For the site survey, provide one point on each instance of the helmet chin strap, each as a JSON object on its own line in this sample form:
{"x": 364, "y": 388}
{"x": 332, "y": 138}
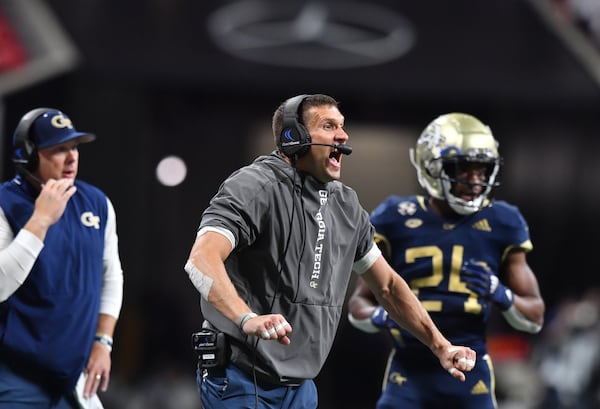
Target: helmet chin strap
{"x": 463, "y": 207}
{"x": 460, "y": 206}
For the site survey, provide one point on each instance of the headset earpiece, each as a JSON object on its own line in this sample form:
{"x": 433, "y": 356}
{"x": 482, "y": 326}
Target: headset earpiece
{"x": 294, "y": 135}
{"x": 25, "y": 149}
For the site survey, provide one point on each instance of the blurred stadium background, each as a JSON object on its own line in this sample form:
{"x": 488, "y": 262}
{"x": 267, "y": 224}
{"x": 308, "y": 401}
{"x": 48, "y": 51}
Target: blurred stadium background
{"x": 196, "y": 82}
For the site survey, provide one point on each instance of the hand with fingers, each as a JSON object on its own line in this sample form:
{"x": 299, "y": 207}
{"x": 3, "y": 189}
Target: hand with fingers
{"x": 53, "y": 198}
{"x": 480, "y": 279}
{"x": 50, "y": 205}
{"x": 457, "y": 360}
{"x": 98, "y": 370}
{"x": 266, "y": 327}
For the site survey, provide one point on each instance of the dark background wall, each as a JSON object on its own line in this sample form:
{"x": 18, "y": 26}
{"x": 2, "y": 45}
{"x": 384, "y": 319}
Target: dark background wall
{"x": 151, "y": 79}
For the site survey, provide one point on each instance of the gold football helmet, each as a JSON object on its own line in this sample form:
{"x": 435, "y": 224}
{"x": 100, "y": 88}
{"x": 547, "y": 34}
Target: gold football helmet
{"x": 448, "y": 141}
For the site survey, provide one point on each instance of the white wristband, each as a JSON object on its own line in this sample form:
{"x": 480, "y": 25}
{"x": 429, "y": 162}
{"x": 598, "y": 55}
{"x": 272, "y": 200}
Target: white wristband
{"x": 365, "y": 324}
{"x": 105, "y": 340}
{"x": 518, "y": 321}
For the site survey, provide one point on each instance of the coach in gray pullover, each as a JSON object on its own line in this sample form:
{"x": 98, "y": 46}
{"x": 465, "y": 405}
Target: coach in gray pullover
{"x": 272, "y": 260}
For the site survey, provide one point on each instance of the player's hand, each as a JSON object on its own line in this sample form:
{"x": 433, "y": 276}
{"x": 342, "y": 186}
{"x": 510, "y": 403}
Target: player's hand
{"x": 381, "y": 319}
{"x": 480, "y": 279}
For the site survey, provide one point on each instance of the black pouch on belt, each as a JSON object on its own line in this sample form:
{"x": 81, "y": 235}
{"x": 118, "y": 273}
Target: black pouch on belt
{"x": 212, "y": 348}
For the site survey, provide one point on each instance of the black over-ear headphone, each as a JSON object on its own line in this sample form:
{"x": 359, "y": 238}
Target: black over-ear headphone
{"x": 294, "y": 140}
{"x": 25, "y": 150}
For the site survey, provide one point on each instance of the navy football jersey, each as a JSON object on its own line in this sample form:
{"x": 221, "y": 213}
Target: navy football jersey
{"x": 428, "y": 250}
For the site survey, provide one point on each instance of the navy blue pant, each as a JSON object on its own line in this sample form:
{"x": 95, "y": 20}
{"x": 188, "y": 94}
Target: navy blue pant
{"x": 17, "y": 392}
{"x": 424, "y": 384}
{"x": 237, "y": 390}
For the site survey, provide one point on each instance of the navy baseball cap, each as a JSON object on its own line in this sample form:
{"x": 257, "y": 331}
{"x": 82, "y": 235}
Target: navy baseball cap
{"x": 54, "y": 127}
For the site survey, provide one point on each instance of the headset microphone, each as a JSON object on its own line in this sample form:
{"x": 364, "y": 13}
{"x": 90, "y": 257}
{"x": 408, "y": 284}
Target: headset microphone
{"x": 342, "y": 148}
{"x": 23, "y": 170}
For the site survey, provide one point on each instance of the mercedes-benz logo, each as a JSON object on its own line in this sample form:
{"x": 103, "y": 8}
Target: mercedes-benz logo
{"x": 314, "y": 34}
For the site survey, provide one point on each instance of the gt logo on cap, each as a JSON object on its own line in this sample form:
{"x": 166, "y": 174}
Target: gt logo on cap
{"x": 59, "y": 121}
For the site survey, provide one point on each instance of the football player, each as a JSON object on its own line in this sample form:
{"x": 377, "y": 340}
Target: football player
{"x": 463, "y": 254}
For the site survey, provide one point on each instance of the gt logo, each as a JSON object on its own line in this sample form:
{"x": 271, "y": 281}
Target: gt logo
{"x": 59, "y": 121}
{"x": 88, "y": 219}
{"x": 397, "y": 378}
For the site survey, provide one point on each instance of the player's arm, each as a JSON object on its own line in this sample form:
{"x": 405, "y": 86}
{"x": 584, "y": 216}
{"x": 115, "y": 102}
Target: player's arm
{"x": 527, "y": 311}
{"x": 514, "y": 289}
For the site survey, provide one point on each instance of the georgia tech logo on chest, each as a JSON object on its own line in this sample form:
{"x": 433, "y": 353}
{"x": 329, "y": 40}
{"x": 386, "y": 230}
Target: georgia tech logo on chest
{"x": 59, "y": 121}
{"x": 322, "y": 229}
{"x": 88, "y": 219}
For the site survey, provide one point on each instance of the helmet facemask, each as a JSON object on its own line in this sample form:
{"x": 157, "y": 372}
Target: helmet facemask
{"x": 446, "y": 146}
{"x": 448, "y": 181}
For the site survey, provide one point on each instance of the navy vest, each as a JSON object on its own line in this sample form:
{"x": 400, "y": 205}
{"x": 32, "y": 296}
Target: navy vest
{"x": 48, "y": 325}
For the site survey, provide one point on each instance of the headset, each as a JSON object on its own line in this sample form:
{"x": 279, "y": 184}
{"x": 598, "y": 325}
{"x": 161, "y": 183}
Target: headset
{"x": 25, "y": 156}
{"x": 294, "y": 140}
